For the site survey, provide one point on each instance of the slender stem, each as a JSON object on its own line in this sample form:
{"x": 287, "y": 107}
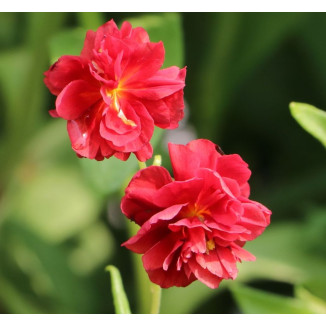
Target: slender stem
{"x": 156, "y": 298}
{"x": 157, "y": 160}
{"x": 143, "y": 284}
{"x": 142, "y": 165}
{"x": 149, "y": 294}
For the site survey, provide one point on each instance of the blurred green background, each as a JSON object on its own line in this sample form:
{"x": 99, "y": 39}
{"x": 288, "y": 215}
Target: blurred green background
{"x": 60, "y": 223}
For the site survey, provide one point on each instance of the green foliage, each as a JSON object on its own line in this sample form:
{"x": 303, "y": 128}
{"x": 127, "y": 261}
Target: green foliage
{"x": 252, "y": 301}
{"x": 242, "y": 71}
{"x": 120, "y": 299}
{"x": 311, "y": 119}
{"x": 313, "y": 293}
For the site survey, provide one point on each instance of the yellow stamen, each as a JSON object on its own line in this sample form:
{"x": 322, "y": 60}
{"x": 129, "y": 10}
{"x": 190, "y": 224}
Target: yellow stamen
{"x": 194, "y": 210}
{"x": 116, "y": 106}
{"x": 210, "y": 244}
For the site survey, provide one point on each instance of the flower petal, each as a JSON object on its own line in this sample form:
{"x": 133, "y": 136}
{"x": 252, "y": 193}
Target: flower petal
{"x": 171, "y": 277}
{"x": 145, "y": 153}
{"x": 168, "y": 111}
{"x": 186, "y": 160}
{"x": 75, "y": 99}
{"x": 138, "y": 204}
{"x": 204, "y": 275}
{"x": 67, "y": 69}
{"x": 151, "y": 231}
{"x": 233, "y": 167}
{"x": 162, "y": 84}
{"x": 146, "y": 60}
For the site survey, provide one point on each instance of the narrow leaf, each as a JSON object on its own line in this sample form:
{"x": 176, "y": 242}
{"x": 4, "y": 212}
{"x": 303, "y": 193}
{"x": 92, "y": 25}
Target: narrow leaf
{"x": 120, "y": 299}
{"x": 311, "y": 119}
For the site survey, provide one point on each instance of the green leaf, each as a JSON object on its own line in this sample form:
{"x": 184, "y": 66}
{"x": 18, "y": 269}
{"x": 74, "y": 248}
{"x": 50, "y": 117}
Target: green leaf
{"x": 167, "y": 28}
{"x": 120, "y": 299}
{"x": 253, "y": 301}
{"x": 311, "y": 119}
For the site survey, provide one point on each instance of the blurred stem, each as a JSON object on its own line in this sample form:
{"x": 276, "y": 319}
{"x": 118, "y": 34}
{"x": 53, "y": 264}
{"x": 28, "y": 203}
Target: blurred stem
{"x": 143, "y": 284}
{"x": 156, "y": 299}
{"x": 142, "y": 165}
{"x": 149, "y": 294}
{"x": 157, "y": 160}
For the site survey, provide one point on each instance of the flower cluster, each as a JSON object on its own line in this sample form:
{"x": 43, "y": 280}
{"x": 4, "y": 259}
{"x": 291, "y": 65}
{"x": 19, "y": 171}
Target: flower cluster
{"x": 195, "y": 226}
{"x": 114, "y": 93}
{"x": 192, "y": 227}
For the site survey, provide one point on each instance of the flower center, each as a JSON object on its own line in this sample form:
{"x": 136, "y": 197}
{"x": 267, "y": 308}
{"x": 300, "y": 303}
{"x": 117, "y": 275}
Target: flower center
{"x": 196, "y": 211}
{"x": 113, "y": 94}
{"x": 210, "y": 245}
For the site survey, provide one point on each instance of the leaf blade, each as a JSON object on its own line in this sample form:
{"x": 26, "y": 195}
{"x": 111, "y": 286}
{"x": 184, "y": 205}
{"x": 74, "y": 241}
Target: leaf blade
{"x": 120, "y": 299}
{"x": 311, "y": 119}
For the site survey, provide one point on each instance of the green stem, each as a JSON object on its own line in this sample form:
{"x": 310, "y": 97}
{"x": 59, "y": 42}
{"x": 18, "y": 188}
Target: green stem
{"x": 142, "y": 165}
{"x": 143, "y": 284}
{"x": 156, "y": 298}
{"x": 149, "y": 294}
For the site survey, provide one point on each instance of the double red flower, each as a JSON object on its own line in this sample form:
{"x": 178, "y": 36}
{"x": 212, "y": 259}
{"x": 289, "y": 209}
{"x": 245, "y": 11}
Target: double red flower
{"x": 193, "y": 227}
{"x": 114, "y": 93}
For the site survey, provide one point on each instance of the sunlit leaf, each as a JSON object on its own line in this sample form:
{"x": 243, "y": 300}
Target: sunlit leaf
{"x": 120, "y": 299}
{"x": 313, "y": 293}
{"x": 311, "y": 119}
{"x": 281, "y": 255}
{"x": 253, "y": 301}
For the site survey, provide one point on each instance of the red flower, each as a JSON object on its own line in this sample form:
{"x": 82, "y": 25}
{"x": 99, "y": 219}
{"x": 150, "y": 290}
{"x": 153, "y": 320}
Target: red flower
{"x": 193, "y": 227}
{"x": 114, "y": 93}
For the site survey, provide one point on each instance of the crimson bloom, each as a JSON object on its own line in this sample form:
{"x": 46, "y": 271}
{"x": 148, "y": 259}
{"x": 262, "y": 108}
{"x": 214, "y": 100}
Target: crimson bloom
{"x": 193, "y": 227}
{"x": 114, "y": 93}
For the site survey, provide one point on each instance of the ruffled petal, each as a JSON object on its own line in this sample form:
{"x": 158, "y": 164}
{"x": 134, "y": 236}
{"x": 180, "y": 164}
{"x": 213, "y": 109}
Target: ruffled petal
{"x": 75, "y": 99}
{"x": 67, "y": 69}
{"x": 145, "y": 153}
{"x": 164, "y": 83}
{"x": 233, "y": 167}
{"x": 168, "y": 111}
{"x": 171, "y": 277}
{"x": 152, "y": 231}
{"x": 204, "y": 275}
{"x": 186, "y": 160}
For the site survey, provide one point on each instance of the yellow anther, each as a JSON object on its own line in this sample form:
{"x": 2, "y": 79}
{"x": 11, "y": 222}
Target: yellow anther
{"x": 210, "y": 244}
